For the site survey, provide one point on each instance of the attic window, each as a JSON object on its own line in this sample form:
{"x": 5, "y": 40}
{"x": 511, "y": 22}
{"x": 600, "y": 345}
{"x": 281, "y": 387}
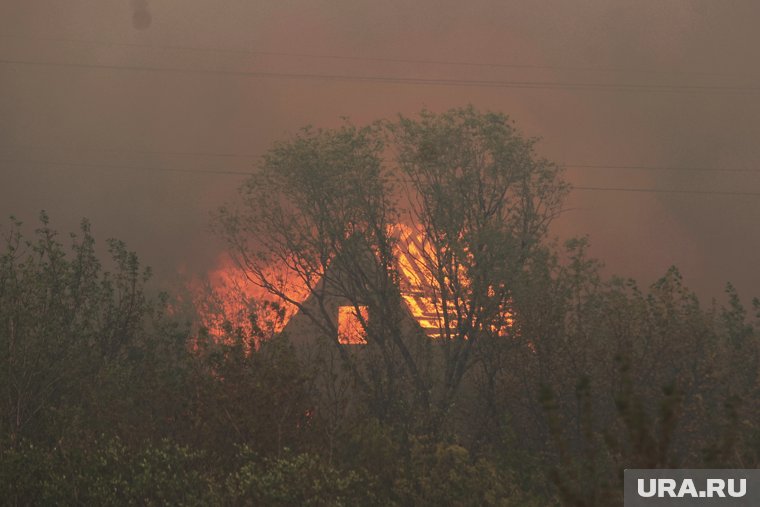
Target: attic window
{"x": 350, "y": 328}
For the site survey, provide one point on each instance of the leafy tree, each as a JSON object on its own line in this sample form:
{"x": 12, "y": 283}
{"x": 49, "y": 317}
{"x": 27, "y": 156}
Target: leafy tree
{"x": 323, "y": 209}
{"x": 63, "y": 320}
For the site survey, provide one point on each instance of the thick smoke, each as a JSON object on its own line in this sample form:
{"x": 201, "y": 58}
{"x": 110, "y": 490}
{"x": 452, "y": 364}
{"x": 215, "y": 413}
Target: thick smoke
{"x": 140, "y": 14}
{"x": 122, "y": 124}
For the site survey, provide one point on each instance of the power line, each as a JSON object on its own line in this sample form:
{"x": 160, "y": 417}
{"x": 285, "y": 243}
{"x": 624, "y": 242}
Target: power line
{"x": 376, "y": 59}
{"x": 662, "y": 168}
{"x": 243, "y": 173}
{"x": 252, "y": 158}
{"x": 121, "y": 150}
{"x": 654, "y": 168}
{"x": 128, "y": 167}
{"x": 535, "y": 85}
{"x": 667, "y": 191}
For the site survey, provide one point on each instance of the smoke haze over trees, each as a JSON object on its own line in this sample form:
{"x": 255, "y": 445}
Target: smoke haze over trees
{"x": 577, "y": 264}
{"x": 97, "y": 118}
{"x": 114, "y": 395}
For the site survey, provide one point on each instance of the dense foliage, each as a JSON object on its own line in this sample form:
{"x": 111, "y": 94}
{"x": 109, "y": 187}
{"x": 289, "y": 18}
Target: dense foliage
{"x": 110, "y": 396}
{"x": 108, "y": 400}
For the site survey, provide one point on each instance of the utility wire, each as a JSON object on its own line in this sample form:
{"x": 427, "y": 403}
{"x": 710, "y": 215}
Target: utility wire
{"x": 253, "y": 158}
{"x": 244, "y": 173}
{"x": 18, "y": 147}
{"x": 666, "y": 191}
{"x": 128, "y": 167}
{"x": 421, "y": 61}
{"x": 661, "y": 168}
{"x": 536, "y": 85}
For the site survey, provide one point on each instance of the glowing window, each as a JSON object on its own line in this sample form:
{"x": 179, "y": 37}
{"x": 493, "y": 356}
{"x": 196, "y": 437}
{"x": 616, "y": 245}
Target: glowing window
{"x": 350, "y": 328}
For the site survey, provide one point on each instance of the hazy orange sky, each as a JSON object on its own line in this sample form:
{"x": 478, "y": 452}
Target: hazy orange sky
{"x": 84, "y": 139}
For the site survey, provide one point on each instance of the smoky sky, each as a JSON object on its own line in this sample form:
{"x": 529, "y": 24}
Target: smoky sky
{"x": 112, "y": 137}
{"x": 141, "y": 18}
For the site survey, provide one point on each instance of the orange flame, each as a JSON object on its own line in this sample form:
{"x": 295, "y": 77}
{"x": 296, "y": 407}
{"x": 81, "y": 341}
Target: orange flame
{"x": 351, "y": 325}
{"x": 421, "y": 290}
{"x": 229, "y": 304}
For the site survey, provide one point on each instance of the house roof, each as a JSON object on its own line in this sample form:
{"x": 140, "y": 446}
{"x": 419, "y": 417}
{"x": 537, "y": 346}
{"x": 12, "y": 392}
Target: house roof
{"x": 416, "y": 283}
{"x": 416, "y": 260}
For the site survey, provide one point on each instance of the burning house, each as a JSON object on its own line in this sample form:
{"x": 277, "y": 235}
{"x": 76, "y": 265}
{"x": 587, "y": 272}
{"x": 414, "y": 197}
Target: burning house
{"x": 331, "y": 312}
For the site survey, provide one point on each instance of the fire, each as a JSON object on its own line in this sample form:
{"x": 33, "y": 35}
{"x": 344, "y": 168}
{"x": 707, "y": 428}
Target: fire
{"x": 351, "y": 325}
{"x": 420, "y": 289}
{"x": 231, "y": 307}
{"x": 417, "y": 282}
{"x": 229, "y": 304}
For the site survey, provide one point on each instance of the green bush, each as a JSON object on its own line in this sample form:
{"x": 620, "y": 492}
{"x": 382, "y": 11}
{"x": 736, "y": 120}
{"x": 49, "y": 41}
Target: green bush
{"x": 298, "y": 479}
{"x": 112, "y": 474}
